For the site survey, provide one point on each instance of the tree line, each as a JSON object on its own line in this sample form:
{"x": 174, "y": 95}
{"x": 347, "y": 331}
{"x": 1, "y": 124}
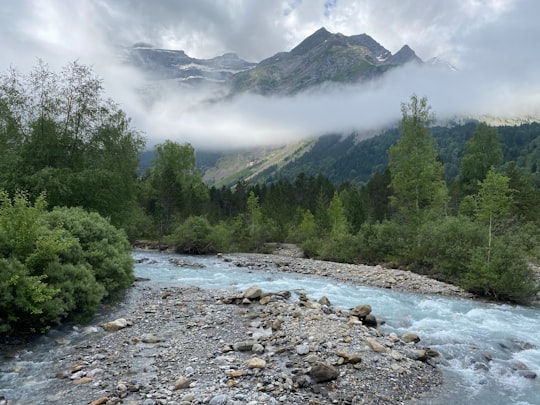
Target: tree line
{"x": 73, "y": 196}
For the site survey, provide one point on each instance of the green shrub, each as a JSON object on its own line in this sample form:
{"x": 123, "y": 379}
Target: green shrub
{"x": 378, "y": 242}
{"x": 447, "y": 245}
{"x": 23, "y": 299}
{"x": 506, "y": 276}
{"x": 194, "y": 236}
{"x": 103, "y": 247}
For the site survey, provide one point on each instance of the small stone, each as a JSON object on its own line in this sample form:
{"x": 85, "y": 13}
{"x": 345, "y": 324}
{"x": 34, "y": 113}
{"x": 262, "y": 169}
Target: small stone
{"x": 375, "y": 346}
{"x": 302, "y": 349}
{"x": 256, "y": 362}
{"x": 181, "y": 383}
{"x": 94, "y": 372}
{"x": 115, "y": 325}
{"x": 237, "y": 373}
{"x": 83, "y": 380}
{"x": 60, "y": 341}
{"x": 396, "y": 355}
{"x": 410, "y": 337}
{"x": 221, "y": 399}
{"x": 150, "y": 338}
{"x": 265, "y": 300}
{"x": 257, "y": 348}
{"x": 99, "y": 401}
{"x": 244, "y": 346}
{"x": 325, "y": 301}
{"x": 322, "y": 372}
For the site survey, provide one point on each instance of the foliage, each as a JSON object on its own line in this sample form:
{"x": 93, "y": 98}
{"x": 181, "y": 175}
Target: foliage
{"x": 173, "y": 185}
{"x": 194, "y": 236}
{"x": 506, "y": 276}
{"x": 56, "y": 265}
{"x": 447, "y": 246}
{"x": 60, "y": 136}
{"x": 481, "y": 153}
{"x": 416, "y": 174}
{"x": 103, "y": 247}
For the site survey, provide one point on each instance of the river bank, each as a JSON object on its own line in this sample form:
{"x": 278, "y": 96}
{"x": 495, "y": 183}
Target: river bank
{"x": 289, "y": 258}
{"x": 193, "y": 346}
{"x": 173, "y": 345}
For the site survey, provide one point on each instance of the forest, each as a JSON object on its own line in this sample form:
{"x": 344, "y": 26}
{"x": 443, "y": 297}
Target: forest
{"x": 73, "y": 200}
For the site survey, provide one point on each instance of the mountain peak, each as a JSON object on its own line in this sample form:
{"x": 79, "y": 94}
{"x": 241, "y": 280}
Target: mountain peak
{"x": 317, "y": 38}
{"x": 404, "y": 55}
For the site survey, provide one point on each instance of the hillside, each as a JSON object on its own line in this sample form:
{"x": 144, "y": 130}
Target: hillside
{"x": 345, "y": 158}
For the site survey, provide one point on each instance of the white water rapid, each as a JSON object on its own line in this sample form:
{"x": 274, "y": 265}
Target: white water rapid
{"x": 482, "y": 345}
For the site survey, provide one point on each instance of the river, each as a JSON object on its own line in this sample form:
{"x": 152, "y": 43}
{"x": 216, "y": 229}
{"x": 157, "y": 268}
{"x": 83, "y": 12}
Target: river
{"x": 482, "y": 345}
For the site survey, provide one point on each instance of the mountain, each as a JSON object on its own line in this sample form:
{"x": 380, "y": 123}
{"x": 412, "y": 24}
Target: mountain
{"x": 321, "y": 57}
{"x": 353, "y": 158}
{"x": 164, "y": 64}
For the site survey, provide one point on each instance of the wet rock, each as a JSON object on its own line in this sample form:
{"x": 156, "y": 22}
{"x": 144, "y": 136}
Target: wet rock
{"x": 370, "y": 320}
{"x": 322, "y": 372}
{"x": 527, "y": 374}
{"x": 325, "y": 301}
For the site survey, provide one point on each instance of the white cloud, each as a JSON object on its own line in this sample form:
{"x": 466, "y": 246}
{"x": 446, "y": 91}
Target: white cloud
{"x": 492, "y": 42}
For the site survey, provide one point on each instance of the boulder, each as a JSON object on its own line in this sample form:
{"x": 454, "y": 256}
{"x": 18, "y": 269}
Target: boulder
{"x": 361, "y": 311}
{"x": 370, "y": 320}
{"x": 322, "y": 372}
{"x": 325, "y": 301}
{"x": 253, "y": 293}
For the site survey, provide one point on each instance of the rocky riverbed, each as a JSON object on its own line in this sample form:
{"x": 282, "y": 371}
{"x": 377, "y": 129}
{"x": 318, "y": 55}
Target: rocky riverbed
{"x": 191, "y": 346}
{"x": 289, "y": 258}
{"x": 170, "y": 345}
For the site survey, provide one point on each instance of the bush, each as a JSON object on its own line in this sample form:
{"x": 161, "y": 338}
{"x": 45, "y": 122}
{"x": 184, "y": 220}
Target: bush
{"x": 56, "y": 265}
{"x": 447, "y": 245}
{"x": 104, "y": 248}
{"x": 378, "y": 242}
{"x": 23, "y": 299}
{"x": 194, "y": 236}
{"x": 506, "y": 276}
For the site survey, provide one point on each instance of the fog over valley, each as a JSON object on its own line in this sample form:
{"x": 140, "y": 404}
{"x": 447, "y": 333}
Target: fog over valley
{"x": 490, "y": 46}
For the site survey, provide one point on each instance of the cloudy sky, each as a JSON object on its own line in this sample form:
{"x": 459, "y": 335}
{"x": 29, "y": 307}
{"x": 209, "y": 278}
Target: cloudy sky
{"x": 492, "y": 43}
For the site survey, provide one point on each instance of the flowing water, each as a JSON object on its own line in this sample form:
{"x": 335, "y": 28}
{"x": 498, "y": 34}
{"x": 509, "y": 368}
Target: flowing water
{"x": 483, "y": 346}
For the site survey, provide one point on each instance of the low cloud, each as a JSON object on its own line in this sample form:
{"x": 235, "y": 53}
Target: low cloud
{"x": 492, "y": 43}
